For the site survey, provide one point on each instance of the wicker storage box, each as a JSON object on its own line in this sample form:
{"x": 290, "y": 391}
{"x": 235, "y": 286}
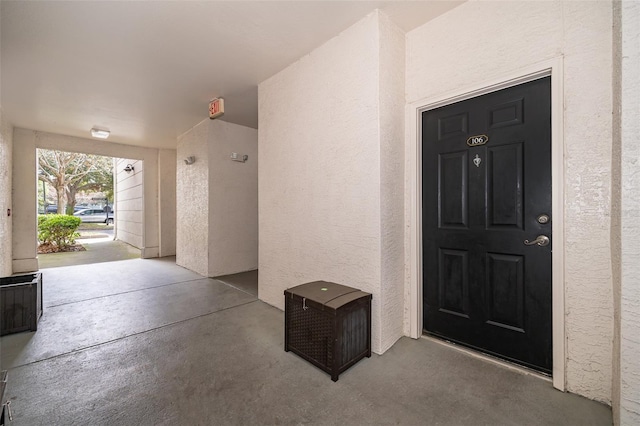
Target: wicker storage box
{"x": 328, "y": 324}
{"x": 3, "y": 404}
{"x": 20, "y": 303}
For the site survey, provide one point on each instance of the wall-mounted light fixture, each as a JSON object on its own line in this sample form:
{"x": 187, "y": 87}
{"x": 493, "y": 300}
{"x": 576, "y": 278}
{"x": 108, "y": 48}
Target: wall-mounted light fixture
{"x": 239, "y": 157}
{"x": 99, "y": 133}
{"x": 190, "y": 160}
{"x": 129, "y": 168}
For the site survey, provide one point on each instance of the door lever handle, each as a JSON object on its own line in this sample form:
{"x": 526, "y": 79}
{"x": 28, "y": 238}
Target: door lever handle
{"x": 541, "y": 240}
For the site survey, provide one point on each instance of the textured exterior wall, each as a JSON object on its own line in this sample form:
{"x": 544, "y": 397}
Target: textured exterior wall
{"x": 319, "y": 176}
{"x": 167, "y": 202}
{"x": 24, "y": 184}
{"x": 331, "y": 172}
{"x": 519, "y": 34}
{"x": 233, "y": 199}
{"x": 192, "y": 201}
{"x": 217, "y": 211}
{"x": 129, "y": 202}
{"x": 616, "y": 202}
{"x": 6, "y": 149}
{"x": 588, "y": 117}
{"x": 24, "y": 201}
{"x": 151, "y": 199}
{"x": 391, "y": 111}
{"x": 629, "y": 410}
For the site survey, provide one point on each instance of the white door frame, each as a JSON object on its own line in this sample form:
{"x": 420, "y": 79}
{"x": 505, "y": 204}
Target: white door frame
{"x": 553, "y": 68}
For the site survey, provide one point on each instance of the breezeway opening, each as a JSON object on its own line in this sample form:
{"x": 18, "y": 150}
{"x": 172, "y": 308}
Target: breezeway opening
{"x": 90, "y": 187}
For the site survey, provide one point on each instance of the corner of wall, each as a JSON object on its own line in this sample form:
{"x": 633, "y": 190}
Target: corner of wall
{"x": 587, "y": 45}
{"x": 616, "y": 200}
{"x": 233, "y": 199}
{"x": 331, "y": 196}
{"x": 391, "y": 116}
{"x": 192, "y": 201}
{"x": 629, "y": 310}
{"x": 167, "y": 168}
{"x": 23, "y": 211}
{"x": 130, "y": 204}
{"x": 6, "y": 171}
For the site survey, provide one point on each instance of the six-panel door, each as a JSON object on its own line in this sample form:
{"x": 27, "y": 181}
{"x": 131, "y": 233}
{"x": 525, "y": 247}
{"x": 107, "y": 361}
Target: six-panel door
{"x": 486, "y": 190}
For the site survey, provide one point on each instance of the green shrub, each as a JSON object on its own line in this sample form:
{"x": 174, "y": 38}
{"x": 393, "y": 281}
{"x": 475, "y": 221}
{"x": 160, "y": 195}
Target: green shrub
{"x": 58, "y": 229}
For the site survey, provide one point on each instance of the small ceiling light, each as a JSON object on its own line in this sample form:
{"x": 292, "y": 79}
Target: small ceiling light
{"x": 99, "y": 133}
{"x": 129, "y": 168}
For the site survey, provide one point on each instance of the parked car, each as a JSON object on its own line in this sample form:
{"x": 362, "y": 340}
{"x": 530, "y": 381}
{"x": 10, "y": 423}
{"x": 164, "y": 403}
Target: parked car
{"x": 95, "y": 216}
{"x": 53, "y": 209}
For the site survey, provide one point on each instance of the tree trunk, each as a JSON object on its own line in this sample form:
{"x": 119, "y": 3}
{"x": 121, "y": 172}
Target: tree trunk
{"x": 71, "y": 199}
{"x": 60, "y": 194}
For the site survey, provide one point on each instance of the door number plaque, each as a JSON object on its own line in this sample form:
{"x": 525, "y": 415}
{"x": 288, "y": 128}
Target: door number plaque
{"x": 477, "y": 140}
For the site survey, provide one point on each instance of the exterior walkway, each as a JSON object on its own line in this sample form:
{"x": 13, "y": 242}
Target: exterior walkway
{"x": 145, "y": 342}
{"x": 97, "y": 251}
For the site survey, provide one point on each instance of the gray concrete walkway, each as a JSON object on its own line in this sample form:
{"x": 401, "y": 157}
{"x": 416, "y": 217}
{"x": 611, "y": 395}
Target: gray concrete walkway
{"x": 155, "y": 344}
{"x": 245, "y": 281}
{"x": 97, "y": 251}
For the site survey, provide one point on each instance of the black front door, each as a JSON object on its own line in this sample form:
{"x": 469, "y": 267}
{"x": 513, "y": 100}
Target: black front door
{"x": 486, "y": 198}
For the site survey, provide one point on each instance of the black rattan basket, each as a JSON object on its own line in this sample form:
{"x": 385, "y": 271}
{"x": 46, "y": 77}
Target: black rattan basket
{"x": 328, "y": 324}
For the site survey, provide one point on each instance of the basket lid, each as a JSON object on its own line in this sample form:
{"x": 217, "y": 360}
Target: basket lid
{"x": 346, "y": 299}
{"x": 321, "y": 291}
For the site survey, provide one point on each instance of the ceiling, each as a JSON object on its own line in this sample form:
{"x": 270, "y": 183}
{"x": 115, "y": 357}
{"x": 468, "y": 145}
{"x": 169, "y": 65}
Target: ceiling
{"x": 147, "y": 70}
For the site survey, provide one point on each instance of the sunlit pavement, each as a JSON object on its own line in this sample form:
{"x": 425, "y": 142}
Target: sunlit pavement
{"x": 97, "y": 250}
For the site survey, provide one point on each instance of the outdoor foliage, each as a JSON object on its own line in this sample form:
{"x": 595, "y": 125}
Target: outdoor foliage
{"x": 72, "y": 172}
{"x": 58, "y": 229}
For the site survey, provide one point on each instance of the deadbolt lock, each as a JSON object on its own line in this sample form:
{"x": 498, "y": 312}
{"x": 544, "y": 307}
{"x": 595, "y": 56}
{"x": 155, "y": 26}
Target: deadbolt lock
{"x": 543, "y": 218}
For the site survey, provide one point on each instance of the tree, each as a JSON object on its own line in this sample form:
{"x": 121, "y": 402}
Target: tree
{"x": 70, "y": 172}
{"x": 99, "y": 179}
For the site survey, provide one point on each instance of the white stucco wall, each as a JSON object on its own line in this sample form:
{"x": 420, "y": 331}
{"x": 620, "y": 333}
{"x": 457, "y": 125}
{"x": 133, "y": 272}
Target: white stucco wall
{"x": 129, "y": 200}
{"x": 629, "y": 384}
{"x": 217, "y": 213}
{"x": 24, "y": 188}
{"x": 233, "y": 199}
{"x": 450, "y": 53}
{"x": 167, "y": 201}
{"x": 24, "y": 210}
{"x": 331, "y": 172}
{"x": 391, "y": 112}
{"x": 616, "y": 208}
{"x": 6, "y": 149}
{"x": 192, "y": 201}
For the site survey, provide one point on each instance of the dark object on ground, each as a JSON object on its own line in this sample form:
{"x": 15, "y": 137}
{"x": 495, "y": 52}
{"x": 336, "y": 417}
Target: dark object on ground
{"x": 20, "y": 303}
{"x": 328, "y": 324}
{"x": 3, "y": 385}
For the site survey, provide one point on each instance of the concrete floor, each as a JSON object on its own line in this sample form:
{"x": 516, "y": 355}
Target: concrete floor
{"x": 97, "y": 250}
{"x": 145, "y": 342}
{"x": 245, "y": 281}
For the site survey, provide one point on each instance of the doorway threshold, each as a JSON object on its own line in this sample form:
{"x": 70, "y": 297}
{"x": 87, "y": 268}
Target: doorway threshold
{"x": 489, "y": 358}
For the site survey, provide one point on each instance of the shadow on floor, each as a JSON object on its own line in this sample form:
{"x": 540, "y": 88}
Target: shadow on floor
{"x": 96, "y": 252}
{"x": 245, "y": 281}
